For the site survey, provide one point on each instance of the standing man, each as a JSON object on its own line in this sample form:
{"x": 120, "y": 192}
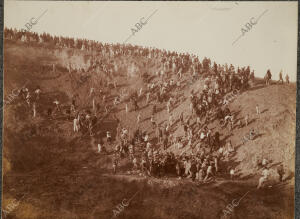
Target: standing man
{"x": 28, "y": 98}
{"x": 140, "y": 92}
{"x": 76, "y": 124}
{"x": 56, "y": 102}
{"x": 37, "y": 93}
{"x": 115, "y": 164}
{"x": 246, "y": 119}
{"x": 168, "y": 106}
{"x": 170, "y": 120}
{"x": 153, "y": 121}
{"x": 268, "y": 77}
{"x": 280, "y": 77}
{"x": 181, "y": 118}
{"x": 257, "y": 109}
{"x": 34, "y": 109}
{"x": 147, "y": 97}
{"x": 280, "y": 172}
{"x": 287, "y": 79}
{"x": 92, "y": 95}
{"x": 138, "y": 118}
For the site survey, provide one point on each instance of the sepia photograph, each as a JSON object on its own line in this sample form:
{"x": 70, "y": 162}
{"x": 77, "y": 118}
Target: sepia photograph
{"x": 149, "y": 109}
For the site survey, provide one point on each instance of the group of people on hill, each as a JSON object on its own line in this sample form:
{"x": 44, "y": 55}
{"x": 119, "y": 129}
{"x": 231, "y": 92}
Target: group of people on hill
{"x": 268, "y": 78}
{"x": 287, "y": 78}
{"x": 106, "y": 56}
{"x": 209, "y": 151}
{"x": 149, "y": 155}
{"x": 152, "y": 158}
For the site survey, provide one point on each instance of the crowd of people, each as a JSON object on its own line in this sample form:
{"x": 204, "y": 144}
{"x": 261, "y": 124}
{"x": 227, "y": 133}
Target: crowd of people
{"x": 106, "y": 54}
{"x": 202, "y": 154}
{"x": 208, "y": 105}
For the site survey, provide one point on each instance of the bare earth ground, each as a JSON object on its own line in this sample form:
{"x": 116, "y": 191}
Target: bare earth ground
{"x": 56, "y": 174}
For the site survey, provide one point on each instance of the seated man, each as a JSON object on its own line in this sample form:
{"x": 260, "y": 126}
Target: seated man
{"x": 262, "y": 180}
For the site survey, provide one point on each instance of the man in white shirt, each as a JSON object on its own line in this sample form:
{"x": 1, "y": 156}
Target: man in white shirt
{"x": 56, "y": 102}
{"x": 37, "y": 92}
{"x": 76, "y": 124}
{"x": 92, "y": 91}
{"x": 202, "y": 135}
{"x": 99, "y": 148}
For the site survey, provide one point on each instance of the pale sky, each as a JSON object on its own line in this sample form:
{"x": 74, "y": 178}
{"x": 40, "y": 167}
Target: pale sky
{"x": 202, "y": 28}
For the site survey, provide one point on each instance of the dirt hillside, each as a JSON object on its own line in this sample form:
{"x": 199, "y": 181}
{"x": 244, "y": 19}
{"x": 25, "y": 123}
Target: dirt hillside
{"x": 61, "y": 175}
